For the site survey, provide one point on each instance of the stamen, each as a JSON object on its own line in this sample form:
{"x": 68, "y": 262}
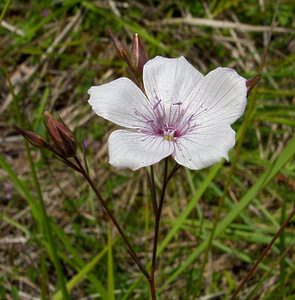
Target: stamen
{"x": 167, "y": 121}
{"x": 156, "y": 104}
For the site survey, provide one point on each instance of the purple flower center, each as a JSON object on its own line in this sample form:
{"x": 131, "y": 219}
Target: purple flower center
{"x": 169, "y": 121}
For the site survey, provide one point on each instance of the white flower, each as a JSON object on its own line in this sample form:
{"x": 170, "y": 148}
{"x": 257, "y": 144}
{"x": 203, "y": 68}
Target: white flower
{"x": 184, "y": 114}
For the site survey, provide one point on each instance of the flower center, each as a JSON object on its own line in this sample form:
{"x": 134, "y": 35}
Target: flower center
{"x": 168, "y": 134}
{"x": 168, "y": 121}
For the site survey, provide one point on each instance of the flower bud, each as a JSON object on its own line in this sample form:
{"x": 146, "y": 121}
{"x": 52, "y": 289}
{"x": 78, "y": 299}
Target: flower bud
{"x": 121, "y": 49}
{"x": 139, "y": 57}
{"x": 63, "y": 138}
{"x": 251, "y": 83}
{"x": 33, "y": 138}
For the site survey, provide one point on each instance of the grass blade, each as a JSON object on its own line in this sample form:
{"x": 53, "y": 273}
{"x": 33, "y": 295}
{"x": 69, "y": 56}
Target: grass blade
{"x": 265, "y": 178}
{"x": 72, "y": 283}
{"x": 111, "y": 285}
{"x": 192, "y": 204}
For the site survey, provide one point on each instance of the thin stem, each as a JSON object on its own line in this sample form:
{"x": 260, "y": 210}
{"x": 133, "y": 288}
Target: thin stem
{"x": 67, "y": 162}
{"x": 264, "y": 253}
{"x": 47, "y": 229}
{"x": 84, "y": 158}
{"x": 64, "y": 160}
{"x": 44, "y": 278}
{"x": 156, "y": 234}
{"x": 120, "y": 230}
{"x": 173, "y": 171}
{"x": 151, "y": 179}
{"x": 45, "y": 219}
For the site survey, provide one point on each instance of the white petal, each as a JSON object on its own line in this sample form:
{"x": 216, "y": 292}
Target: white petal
{"x": 171, "y": 80}
{"x": 119, "y": 101}
{"x": 221, "y": 97}
{"x": 204, "y": 146}
{"x": 134, "y": 150}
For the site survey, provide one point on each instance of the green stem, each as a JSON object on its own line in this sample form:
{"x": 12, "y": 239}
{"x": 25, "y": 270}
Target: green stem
{"x": 45, "y": 220}
{"x": 5, "y": 9}
{"x": 43, "y": 282}
{"x": 47, "y": 228}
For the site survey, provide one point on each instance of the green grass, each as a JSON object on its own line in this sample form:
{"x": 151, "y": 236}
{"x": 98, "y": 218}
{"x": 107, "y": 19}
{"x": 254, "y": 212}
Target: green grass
{"x": 60, "y": 50}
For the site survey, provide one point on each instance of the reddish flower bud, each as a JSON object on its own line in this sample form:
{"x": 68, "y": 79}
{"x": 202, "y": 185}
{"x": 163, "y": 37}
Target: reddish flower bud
{"x": 139, "y": 57}
{"x": 63, "y": 138}
{"x": 251, "y": 83}
{"x": 121, "y": 49}
{"x": 33, "y": 138}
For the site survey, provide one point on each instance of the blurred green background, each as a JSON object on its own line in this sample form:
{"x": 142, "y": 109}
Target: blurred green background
{"x": 51, "y": 52}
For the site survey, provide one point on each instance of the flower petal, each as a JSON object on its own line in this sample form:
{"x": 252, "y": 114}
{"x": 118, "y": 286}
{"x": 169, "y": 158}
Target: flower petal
{"x": 135, "y": 150}
{"x": 119, "y": 101}
{"x": 204, "y": 146}
{"x": 221, "y": 97}
{"x": 171, "y": 80}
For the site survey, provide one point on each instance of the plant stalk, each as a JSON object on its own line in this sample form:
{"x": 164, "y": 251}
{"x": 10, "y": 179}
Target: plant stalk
{"x": 151, "y": 180}
{"x": 156, "y": 234}
{"x": 264, "y": 253}
{"x": 120, "y": 230}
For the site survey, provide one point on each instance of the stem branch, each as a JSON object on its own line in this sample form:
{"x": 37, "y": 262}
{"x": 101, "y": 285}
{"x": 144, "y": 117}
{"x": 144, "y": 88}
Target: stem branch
{"x": 120, "y": 230}
{"x": 151, "y": 179}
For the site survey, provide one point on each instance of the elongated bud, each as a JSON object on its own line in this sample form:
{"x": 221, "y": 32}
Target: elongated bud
{"x": 251, "y": 83}
{"x": 33, "y": 138}
{"x": 121, "y": 49}
{"x": 63, "y": 138}
{"x": 139, "y": 57}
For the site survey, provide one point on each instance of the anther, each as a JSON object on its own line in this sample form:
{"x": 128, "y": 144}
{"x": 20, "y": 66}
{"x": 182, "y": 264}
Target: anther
{"x": 156, "y": 104}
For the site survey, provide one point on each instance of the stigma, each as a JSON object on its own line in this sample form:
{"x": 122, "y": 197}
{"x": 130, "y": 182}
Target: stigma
{"x": 169, "y": 134}
{"x": 168, "y": 137}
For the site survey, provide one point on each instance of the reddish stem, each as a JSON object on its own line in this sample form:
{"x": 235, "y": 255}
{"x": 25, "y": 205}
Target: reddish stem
{"x": 263, "y": 254}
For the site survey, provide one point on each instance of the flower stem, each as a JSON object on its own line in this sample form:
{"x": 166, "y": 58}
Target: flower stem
{"x": 151, "y": 179}
{"x": 156, "y": 234}
{"x": 120, "y": 230}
